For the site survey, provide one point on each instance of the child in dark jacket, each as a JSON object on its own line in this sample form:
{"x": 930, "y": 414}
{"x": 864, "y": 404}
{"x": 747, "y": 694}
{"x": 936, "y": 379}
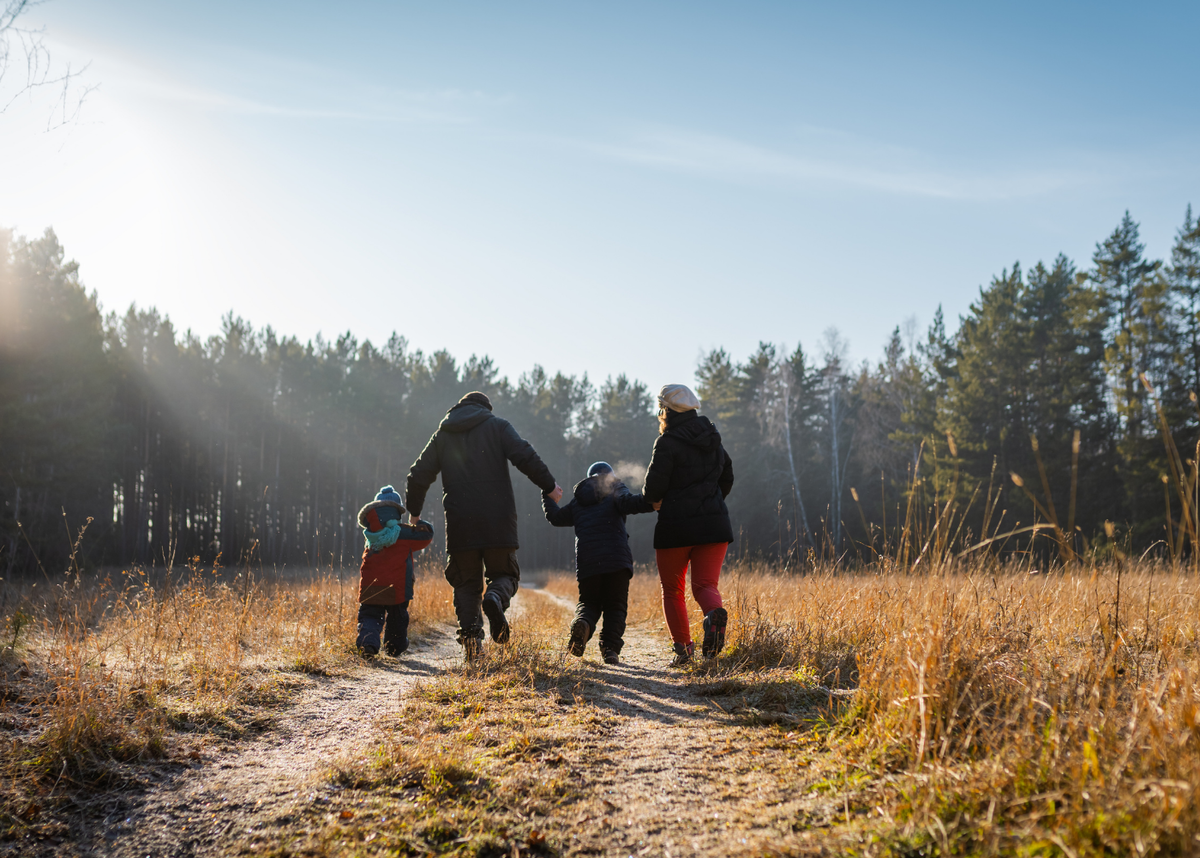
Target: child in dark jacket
{"x": 386, "y": 587}
{"x": 603, "y": 561}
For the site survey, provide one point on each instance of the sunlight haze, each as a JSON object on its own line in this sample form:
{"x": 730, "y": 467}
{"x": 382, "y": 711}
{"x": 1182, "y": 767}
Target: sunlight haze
{"x": 598, "y": 190}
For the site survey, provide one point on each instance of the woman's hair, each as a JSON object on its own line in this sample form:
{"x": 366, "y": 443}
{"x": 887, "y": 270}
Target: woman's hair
{"x": 662, "y": 420}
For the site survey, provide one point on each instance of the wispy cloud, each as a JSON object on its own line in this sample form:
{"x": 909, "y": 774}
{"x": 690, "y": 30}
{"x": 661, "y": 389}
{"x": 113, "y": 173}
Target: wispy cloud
{"x": 380, "y": 105}
{"x": 286, "y": 89}
{"x": 389, "y": 107}
{"x": 825, "y": 156}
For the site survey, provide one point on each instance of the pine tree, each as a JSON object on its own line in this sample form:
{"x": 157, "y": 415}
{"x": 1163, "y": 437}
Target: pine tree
{"x": 987, "y": 401}
{"x": 56, "y": 387}
{"x": 898, "y": 412}
{"x": 1184, "y": 277}
{"x": 716, "y": 386}
{"x": 839, "y": 428}
{"x": 1134, "y": 294}
{"x": 800, "y": 384}
{"x": 1029, "y": 366}
{"x": 625, "y": 422}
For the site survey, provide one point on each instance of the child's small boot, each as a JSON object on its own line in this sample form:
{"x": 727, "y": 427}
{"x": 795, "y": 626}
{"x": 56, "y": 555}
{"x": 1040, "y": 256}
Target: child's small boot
{"x": 581, "y": 632}
{"x": 370, "y": 631}
{"x": 396, "y": 641}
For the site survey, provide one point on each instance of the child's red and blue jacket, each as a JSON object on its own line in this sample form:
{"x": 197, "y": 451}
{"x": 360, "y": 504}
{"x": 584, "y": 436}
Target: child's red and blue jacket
{"x": 387, "y": 572}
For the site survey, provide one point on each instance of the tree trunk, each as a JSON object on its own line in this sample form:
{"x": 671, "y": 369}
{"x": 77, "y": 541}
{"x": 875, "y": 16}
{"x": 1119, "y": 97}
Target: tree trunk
{"x": 787, "y": 430}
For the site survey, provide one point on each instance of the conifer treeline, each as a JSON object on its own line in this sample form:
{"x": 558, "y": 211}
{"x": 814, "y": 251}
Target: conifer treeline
{"x": 261, "y": 448}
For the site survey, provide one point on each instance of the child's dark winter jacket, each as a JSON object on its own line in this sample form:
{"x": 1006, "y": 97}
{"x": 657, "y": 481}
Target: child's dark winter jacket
{"x": 598, "y": 514}
{"x": 387, "y": 563}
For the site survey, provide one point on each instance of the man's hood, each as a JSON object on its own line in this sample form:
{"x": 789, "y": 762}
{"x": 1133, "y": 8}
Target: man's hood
{"x": 595, "y": 489}
{"x": 464, "y": 417}
{"x": 695, "y": 430}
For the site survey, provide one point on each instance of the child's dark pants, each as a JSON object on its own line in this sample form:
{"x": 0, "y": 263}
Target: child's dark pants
{"x": 605, "y": 595}
{"x": 390, "y": 621}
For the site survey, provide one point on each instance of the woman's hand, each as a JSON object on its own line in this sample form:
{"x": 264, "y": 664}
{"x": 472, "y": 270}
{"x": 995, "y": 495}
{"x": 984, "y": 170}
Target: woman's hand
{"x": 557, "y": 494}
{"x": 656, "y": 505}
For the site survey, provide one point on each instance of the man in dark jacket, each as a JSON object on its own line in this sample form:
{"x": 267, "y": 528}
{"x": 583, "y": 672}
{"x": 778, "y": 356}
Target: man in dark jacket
{"x": 603, "y": 561}
{"x": 471, "y": 449}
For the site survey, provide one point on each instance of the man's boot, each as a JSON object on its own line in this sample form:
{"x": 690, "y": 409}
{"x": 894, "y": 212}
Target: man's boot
{"x": 581, "y": 631}
{"x": 497, "y": 624}
{"x": 472, "y": 649}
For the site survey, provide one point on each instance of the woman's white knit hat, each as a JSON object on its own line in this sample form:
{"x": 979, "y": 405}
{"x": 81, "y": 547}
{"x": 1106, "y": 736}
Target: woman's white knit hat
{"x": 677, "y": 397}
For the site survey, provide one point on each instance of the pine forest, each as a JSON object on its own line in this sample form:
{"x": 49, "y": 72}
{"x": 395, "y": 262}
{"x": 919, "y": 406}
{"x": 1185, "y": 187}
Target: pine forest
{"x": 1057, "y": 417}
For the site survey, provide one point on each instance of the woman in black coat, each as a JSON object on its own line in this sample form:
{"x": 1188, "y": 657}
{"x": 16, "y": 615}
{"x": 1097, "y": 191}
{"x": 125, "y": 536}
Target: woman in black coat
{"x": 688, "y": 479}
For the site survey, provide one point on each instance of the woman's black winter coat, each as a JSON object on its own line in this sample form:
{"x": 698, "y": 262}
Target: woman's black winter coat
{"x": 597, "y": 513}
{"x": 691, "y": 474}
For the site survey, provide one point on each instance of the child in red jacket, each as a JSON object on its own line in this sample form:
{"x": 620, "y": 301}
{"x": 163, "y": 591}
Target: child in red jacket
{"x": 386, "y": 587}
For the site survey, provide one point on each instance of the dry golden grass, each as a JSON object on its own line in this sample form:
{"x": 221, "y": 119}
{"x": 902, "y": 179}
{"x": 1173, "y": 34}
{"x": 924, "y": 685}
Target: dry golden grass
{"x": 102, "y": 673}
{"x": 540, "y": 753}
{"x": 995, "y": 712}
{"x": 473, "y": 756}
{"x": 984, "y": 710}
{"x": 975, "y": 710}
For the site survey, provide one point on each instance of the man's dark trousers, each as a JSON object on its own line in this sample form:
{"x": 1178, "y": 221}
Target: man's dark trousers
{"x": 467, "y": 570}
{"x": 607, "y": 595}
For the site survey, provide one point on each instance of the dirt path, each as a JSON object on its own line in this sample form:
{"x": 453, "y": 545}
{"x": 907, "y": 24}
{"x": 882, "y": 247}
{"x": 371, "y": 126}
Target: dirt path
{"x": 668, "y": 772}
{"x": 678, "y": 774}
{"x": 218, "y": 802}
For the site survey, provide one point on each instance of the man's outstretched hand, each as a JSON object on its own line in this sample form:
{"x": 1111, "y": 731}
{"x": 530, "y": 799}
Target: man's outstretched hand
{"x": 557, "y": 494}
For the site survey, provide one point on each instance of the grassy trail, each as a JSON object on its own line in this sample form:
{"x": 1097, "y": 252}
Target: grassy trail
{"x": 673, "y": 772}
{"x": 981, "y": 713}
{"x": 220, "y": 802}
{"x": 638, "y": 760}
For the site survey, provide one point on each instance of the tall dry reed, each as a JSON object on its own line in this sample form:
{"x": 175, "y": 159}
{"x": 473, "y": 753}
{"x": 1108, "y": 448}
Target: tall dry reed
{"x": 997, "y": 710}
{"x": 97, "y": 672}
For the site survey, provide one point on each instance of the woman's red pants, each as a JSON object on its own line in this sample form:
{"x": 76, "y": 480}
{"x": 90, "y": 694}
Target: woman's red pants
{"x": 706, "y": 563}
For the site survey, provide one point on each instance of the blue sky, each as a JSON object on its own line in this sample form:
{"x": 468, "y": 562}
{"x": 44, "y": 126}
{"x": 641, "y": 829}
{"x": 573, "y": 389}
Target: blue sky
{"x": 600, "y": 188}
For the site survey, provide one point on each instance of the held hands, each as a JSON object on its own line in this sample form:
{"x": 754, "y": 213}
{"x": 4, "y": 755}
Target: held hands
{"x": 656, "y": 505}
{"x": 557, "y": 494}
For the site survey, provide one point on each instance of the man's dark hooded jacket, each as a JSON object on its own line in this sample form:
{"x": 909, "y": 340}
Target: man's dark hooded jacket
{"x": 472, "y": 448}
{"x": 691, "y": 474}
{"x": 598, "y": 515}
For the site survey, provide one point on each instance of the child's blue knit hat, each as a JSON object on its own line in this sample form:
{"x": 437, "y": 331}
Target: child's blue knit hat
{"x": 387, "y": 493}
{"x": 600, "y": 468}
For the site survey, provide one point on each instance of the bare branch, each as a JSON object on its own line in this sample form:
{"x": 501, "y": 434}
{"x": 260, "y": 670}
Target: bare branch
{"x": 17, "y": 41}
